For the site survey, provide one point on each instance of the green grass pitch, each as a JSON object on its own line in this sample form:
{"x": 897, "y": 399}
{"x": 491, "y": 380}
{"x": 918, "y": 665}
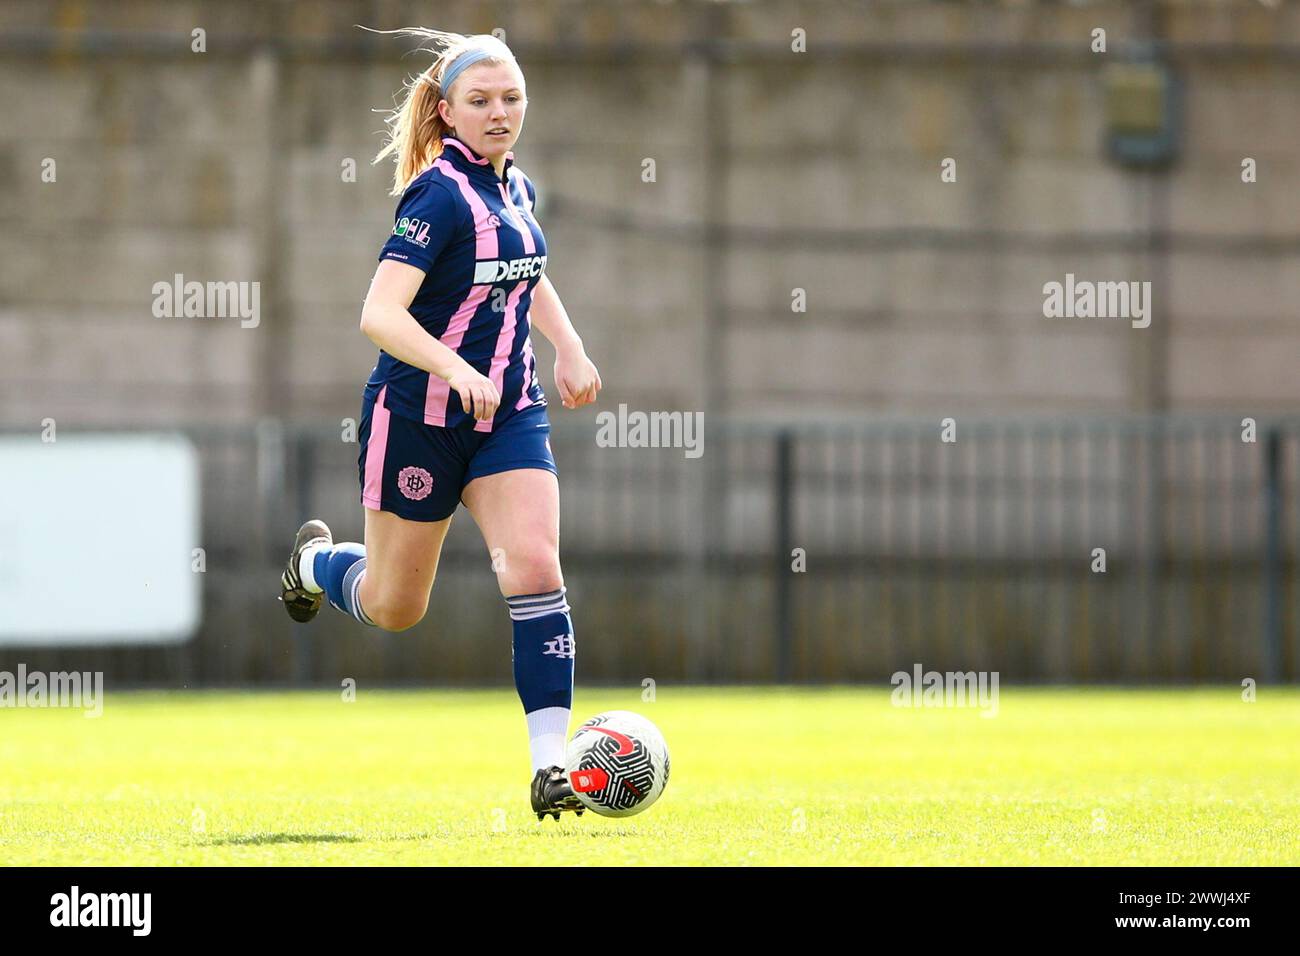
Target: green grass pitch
{"x": 760, "y": 776}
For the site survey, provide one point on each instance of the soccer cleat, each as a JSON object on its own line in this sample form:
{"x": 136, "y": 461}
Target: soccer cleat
{"x": 302, "y": 604}
{"x": 552, "y": 794}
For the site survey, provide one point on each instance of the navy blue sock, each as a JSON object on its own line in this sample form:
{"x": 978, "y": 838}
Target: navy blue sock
{"x": 542, "y": 651}
{"x": 340, "y": 570}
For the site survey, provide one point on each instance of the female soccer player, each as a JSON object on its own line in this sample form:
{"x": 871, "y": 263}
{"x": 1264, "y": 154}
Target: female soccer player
{"x": 453, "y": 411}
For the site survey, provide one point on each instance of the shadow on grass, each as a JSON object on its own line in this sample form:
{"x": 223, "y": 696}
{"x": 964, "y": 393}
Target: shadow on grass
{"x": 259, "y": 839}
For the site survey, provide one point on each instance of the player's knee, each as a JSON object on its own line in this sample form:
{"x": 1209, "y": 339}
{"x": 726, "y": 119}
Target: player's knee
{"x": 396, "y": 616}
{"x": 532, "y": 573}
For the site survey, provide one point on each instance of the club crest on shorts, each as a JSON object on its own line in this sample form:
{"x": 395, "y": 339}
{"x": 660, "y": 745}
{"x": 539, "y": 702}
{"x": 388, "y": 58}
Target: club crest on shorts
{"x": 415, "y": 483}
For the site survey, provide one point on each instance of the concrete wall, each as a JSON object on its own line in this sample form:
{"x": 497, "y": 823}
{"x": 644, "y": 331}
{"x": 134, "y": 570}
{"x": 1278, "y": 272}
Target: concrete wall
{"x": 821, "y": 169}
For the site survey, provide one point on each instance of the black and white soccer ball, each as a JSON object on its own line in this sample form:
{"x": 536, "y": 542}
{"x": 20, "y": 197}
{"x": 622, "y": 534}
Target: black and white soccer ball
{"x": 617, "y": 763}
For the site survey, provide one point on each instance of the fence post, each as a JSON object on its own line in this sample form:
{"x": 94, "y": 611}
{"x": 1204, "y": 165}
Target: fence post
{"x": 784, "y": 495}
{"x": 1273, "y": 554}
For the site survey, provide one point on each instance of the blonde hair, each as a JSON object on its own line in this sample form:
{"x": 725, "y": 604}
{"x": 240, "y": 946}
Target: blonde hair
{"x": 415, "y": 127}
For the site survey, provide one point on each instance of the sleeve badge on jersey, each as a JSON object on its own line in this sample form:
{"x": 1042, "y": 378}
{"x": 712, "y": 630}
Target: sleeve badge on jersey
{"x": 412, "y": 230}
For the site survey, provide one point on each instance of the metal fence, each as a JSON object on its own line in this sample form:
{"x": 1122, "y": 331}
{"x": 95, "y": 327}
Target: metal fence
{"x": 825, "y": 553}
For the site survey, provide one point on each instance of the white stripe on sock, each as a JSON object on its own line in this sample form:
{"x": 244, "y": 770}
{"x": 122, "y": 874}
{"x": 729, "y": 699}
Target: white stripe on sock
{"x": 360, "y": 612}
{"x": 525, "y": 600}
{"x": 516, "y": 616}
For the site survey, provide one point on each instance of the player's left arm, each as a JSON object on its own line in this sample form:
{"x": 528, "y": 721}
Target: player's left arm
{"x": 575, "y": 375}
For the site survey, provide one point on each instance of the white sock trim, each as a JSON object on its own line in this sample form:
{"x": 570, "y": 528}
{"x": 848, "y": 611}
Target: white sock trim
{"x": 546, "y": 750}
{"x": 547, "y": 735}
{"x": 307, "y": 566}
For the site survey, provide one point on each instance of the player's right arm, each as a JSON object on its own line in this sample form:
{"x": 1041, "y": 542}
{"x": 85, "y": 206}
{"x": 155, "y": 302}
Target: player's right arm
{"x": 386, "y": 320}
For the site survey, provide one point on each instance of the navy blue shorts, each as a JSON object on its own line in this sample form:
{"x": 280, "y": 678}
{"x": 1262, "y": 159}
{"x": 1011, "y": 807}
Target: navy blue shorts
{"x": 418, "y": 471}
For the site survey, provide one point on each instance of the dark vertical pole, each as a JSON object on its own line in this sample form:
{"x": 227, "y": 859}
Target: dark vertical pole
{"x": 784, "y": 494}
{"x": 1273, "y": 554}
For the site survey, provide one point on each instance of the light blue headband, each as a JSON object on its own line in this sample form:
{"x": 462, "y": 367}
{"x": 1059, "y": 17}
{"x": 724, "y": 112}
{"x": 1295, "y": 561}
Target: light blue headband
{"x": 468, "y": 59}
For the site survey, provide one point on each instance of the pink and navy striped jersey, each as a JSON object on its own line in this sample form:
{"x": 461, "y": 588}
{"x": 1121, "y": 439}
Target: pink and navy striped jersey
{"x": 476, "y": 238}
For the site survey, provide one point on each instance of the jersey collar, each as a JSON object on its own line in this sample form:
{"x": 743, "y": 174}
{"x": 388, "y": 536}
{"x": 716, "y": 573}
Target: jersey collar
{"x": 467, "y": 159}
